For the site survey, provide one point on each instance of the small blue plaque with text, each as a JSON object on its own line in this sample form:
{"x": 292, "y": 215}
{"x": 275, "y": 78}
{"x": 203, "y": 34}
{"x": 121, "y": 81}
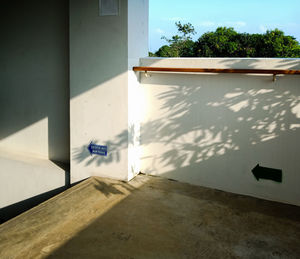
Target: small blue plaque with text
{"x": 97, "y": 149}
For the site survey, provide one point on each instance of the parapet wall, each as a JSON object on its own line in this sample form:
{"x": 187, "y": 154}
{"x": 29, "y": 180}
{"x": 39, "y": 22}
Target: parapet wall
{"x": 213, "y": 129}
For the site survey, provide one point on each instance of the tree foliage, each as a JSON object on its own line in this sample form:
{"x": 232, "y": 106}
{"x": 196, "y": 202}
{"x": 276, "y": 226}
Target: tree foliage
{"x": 180, "y": 45}
{"x": 226, "y": 42}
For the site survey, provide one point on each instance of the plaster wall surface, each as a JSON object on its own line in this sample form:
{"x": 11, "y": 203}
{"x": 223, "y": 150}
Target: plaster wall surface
{"x": 101, "y": 87}
{"x": 34, "y": 99}
{"x": 34, "y": 92}
{"x": 213, "y": 129}
{"x": 98, "y": 87}
{"x": 26, "y": 177}
{"x": 138, "y": 11}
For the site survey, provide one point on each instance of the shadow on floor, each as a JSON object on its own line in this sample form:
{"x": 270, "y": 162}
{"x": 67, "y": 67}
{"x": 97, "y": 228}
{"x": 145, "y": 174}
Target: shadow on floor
{"x": 167, "y": 219}
{"x": 13, "y": 210}
{"x": 152, "y": 217}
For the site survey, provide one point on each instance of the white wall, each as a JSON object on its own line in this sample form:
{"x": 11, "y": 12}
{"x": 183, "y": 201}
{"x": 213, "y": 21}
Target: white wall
{"x": 40, "y": 44}
{"x": 26, "y": 177}
{"x": 34, "y": 92}
{"x": 138, "y": 11}
{"x": 100, "y": 53}
{"x": 213, "y": 129}
{"x": 34, "y": 100}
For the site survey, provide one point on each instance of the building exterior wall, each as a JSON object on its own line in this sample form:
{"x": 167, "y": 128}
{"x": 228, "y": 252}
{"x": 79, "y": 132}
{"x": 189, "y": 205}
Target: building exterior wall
{"x": 34, "y": 92}
{"x": 34, "y": 98}
{"x": 100, "y": 53}
{"x": 67, "y": 81}
{"x": 138, "y": 11}
{"x": 66, "y": 72}
{"x": 213, "y": 129}
{"x": 27, "y": 177}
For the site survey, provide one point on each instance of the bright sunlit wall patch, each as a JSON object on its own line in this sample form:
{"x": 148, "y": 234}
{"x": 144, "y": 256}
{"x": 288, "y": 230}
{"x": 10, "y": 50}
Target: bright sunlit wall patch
{"x": 109, "y": 7}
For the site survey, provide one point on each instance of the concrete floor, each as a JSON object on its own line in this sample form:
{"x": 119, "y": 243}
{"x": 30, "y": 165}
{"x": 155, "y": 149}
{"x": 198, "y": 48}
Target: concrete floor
{"x": 152, "y": 217}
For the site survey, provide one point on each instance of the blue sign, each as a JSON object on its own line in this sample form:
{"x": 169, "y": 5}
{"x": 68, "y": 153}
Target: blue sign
{"x": 97, "y": 149}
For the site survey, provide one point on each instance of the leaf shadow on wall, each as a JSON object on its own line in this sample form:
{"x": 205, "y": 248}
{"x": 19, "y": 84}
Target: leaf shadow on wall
{"x": 115, "y": 147}
{"x": 211, "y": 125}
{"x": 200, "y": 121}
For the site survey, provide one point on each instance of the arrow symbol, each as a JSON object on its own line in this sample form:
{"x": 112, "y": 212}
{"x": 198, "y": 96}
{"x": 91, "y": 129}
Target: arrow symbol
{"x": 97, "y": 149}
{"x": 261, "y": 172}
{"x": 90, "y": 148}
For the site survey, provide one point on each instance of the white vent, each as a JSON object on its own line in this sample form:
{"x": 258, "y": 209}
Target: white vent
{"x": 108, "y": 7}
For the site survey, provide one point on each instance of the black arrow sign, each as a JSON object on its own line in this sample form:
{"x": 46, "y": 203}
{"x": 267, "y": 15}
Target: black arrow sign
{"x": 267, "y": 173}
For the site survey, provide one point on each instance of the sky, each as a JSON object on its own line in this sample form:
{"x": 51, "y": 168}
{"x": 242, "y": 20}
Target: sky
{"x": 251, "y": 16}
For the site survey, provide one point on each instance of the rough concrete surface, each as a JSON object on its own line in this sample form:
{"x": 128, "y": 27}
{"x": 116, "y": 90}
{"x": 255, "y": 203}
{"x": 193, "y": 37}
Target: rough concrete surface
{"x": 152, "y": 217}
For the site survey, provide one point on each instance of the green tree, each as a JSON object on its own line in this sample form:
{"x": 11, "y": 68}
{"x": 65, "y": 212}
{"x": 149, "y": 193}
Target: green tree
{"x": 246, "y": 45}
{"x": 275, "y": 44}
{"x": 165, "y": 51}
{"x": 151, "y": 54}
{"x": 226, "y": 42}
{"x": 180, "y": 45}
{"x": 221, "y": 43}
